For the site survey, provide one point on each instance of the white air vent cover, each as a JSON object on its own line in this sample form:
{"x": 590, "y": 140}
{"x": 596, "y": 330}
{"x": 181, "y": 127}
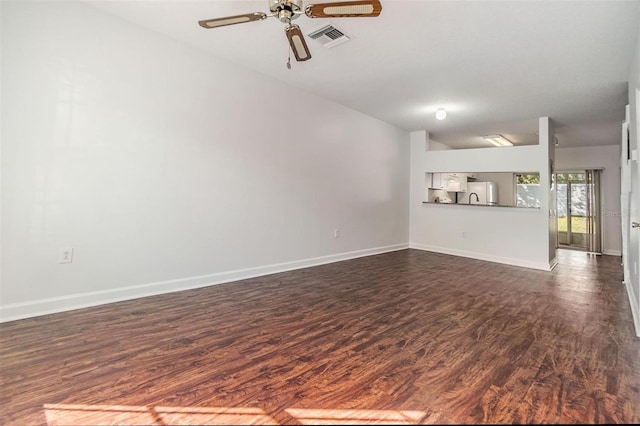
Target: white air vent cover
{"x": 329, "y": 36}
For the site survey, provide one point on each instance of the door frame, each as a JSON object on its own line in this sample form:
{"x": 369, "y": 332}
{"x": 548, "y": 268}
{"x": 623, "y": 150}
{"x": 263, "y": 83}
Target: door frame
{"x": 569, "y": 239}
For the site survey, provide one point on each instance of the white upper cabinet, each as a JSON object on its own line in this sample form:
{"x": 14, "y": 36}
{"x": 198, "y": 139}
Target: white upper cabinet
{"x": 451, "y": 182}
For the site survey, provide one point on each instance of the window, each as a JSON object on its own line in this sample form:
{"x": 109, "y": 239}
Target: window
{"x": 527, "y": 190}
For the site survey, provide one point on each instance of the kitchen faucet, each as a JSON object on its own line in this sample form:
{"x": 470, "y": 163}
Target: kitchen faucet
{"x": 477, "y": 198}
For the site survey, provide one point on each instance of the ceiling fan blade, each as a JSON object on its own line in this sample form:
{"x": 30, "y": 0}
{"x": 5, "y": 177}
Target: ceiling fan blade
{"x": 297, "y": 43}
{"x": 346, "y": 9}
{"x": 231, "y": 20}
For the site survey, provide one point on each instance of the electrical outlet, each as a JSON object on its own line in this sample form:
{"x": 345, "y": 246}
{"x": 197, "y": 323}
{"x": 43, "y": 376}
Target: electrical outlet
{"x": 65, "y": 255}
{"x": 464, "y": 235}
{"x": 336, "y": 233}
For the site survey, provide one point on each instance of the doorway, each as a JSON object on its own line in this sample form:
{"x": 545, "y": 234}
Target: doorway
{"x": 578, "y": 207}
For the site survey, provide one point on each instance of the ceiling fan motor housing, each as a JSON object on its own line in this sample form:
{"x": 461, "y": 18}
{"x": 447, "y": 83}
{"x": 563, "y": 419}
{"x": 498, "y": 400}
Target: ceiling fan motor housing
{"x": 286, "y": 10}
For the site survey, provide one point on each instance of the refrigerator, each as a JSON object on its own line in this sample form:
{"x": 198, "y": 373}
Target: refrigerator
{"x": 485, "y": 193}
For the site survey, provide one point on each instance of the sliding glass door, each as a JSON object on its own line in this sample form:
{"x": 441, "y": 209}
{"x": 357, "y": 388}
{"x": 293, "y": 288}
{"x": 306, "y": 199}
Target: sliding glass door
{"x": 578, "y": 198}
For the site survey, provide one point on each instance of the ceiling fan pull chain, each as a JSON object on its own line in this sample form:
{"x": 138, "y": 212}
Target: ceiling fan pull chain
{"x": 289, "y": 50}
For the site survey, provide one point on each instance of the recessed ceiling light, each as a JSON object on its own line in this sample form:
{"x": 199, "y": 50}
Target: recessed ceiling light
{"x": 441, "y": 114}
{"x": 498, "y": 140}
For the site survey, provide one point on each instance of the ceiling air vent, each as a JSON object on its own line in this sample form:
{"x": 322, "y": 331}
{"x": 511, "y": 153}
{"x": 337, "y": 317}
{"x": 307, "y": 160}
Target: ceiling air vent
{"x": 329, "y": 36}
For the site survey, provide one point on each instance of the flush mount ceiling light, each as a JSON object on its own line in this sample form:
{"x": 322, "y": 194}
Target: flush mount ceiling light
{"x": 441, "y": 114}
{"x": 498, "y": 140}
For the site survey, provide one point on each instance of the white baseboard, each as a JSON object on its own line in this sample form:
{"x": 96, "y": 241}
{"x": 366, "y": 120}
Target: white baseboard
{"x": 16, "y": 311}
{"x": 612, "y": 252}
{"x": 635, "y": 310}
{"x": 481, "y": 256}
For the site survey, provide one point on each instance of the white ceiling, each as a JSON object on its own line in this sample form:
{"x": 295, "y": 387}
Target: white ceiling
{"x": 496, "y": 66}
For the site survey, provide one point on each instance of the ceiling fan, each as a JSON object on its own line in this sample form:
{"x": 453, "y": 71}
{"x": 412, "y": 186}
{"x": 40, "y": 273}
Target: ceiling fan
{"x": 288, "y": 10}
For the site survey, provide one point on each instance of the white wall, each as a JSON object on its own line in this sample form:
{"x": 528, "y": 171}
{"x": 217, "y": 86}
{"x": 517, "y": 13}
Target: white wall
{"x": 437, "y": 146}
{"x": 547, "y": 132}
{"x": 165, "y": 168}
{"x": 607, "y": 157}
{"x": 499, "y": 234}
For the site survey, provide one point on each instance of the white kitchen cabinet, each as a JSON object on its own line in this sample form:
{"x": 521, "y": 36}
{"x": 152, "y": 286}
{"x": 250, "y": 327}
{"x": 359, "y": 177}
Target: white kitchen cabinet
{"x": 451, "y": 182}
{"x": 457, "y": 182}
{"x": 438, "y": 181}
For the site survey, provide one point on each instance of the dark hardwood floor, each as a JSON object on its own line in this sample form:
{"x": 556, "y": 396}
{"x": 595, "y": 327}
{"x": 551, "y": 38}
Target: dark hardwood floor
{"x": 407, "y": 337}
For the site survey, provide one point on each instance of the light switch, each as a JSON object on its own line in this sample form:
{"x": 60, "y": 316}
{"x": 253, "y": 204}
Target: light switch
{"x": 65, "y": 255}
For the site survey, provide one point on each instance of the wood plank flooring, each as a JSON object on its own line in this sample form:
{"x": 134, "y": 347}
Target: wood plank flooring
{"x": 408, "y": 337}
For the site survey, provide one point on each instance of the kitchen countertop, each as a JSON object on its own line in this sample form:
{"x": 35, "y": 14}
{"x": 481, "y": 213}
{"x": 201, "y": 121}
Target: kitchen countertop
{"x": 481, "y": 205}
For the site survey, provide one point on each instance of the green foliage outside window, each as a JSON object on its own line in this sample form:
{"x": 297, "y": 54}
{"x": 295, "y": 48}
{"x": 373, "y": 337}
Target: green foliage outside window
{"x": 528, "y": 179}
{"x": 569, "y": 177}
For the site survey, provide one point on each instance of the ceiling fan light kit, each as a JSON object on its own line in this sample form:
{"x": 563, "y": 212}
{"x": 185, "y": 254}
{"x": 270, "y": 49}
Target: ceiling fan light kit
{"x": 288, "y": 10}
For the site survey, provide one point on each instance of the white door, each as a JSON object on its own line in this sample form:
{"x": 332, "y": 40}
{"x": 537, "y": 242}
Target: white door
{"x": 630, "y": 199}
{"x": 634, "y": 201}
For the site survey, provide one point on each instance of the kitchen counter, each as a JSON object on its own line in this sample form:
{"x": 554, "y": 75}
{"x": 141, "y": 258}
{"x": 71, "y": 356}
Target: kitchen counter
{"x": 481, "y": 205}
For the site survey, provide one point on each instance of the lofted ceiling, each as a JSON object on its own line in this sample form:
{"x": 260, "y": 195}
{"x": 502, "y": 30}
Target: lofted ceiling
{"x": 496, "y": 66}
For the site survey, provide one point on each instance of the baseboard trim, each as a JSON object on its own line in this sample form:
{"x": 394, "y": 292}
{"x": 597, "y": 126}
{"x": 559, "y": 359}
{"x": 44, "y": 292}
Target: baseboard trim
{"x": 635, "y": 310}
{"x": 17, "y": 311}
{"x": 612, "y": 252}
{"x": 480, "y": 256}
